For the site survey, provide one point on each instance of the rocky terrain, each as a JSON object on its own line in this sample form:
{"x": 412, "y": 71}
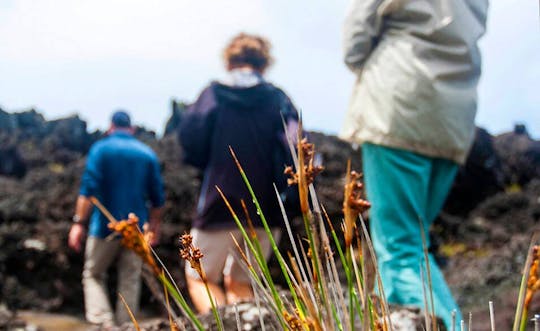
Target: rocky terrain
{"x": 481, "y": 237}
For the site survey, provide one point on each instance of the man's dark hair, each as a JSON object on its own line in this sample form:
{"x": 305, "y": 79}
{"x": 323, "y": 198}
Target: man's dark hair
{"x": 121, "y": 119}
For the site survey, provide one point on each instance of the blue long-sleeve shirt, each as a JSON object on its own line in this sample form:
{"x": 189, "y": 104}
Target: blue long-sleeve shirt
{"x": 124, "y": 175}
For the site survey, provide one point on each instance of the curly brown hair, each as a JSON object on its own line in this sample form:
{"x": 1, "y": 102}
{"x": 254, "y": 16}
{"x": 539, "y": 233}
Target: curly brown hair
{"x": 248, "y": 50}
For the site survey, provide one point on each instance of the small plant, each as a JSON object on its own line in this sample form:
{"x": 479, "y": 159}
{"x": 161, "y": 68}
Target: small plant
{"x": 316, "y": 298}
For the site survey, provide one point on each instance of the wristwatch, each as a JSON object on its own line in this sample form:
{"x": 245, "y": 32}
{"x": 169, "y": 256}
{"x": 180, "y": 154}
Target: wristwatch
{"x": 78, "y": 220}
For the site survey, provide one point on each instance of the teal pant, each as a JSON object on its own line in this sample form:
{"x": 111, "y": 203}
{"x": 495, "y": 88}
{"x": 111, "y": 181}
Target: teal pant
{"x": 405, "y": 189}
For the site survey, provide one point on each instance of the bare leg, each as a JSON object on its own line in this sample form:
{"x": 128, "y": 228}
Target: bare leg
{"x": 199, "y": 296}
{"x": 237, "y": 291}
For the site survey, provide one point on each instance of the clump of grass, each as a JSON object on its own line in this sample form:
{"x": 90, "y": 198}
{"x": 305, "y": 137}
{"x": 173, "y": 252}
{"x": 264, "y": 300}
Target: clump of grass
{"x": 318, "y": 300}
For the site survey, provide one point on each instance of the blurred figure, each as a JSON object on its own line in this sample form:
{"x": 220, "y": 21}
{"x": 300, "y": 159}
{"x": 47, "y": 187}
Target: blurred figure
{"x": 244, "y": 112}
{"x": 124, "y": 175}
{"x": 413, "y": 106}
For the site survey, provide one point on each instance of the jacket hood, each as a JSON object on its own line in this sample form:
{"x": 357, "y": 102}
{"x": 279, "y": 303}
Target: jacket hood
{"x": 243, "y": 97}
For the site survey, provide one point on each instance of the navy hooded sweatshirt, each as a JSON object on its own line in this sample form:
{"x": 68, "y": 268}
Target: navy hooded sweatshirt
{"x": 250, "y": 121}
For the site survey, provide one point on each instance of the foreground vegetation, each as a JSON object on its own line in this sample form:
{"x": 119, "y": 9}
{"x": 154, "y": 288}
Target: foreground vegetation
{"x": 318, "y": 299}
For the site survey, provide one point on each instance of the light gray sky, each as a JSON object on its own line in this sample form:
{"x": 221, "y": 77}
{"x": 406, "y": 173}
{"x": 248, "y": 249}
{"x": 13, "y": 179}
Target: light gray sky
{"x": 93, "y": 56}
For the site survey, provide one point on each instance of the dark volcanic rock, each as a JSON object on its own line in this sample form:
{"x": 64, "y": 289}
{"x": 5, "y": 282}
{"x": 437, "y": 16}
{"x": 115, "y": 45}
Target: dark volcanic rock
{"x": 173, "y": 123}
{"x": 10, "y": 321}
{"x": 12, "y": 163}
{"x": 24, "y": 121}
{"x": 68, "y": 133}
{"x": 41, "y": 143}
{"x": 483, "y": 228}
{"x": 489, "y": 252}
{"x": 479, "y": 178}
{"x": 36, "y": 210}
{"x": 520, "y": 156}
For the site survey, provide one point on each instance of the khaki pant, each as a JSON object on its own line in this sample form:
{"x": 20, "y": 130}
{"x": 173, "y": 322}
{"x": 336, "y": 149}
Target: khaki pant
{"x": 99, "y": 255}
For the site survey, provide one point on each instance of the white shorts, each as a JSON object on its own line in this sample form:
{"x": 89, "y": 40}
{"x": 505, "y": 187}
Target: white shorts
{"x": 221, "y": 256}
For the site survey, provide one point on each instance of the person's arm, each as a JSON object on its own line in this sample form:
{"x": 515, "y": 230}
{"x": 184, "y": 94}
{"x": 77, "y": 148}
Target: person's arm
{"x": 89, "y": 185}
{"x": 156, "y": 195}
{"x": 77, "y": 233}
{"x": 196, "y": 129}
{"x": 361, "y": 29}
{"x": 290, "y": 116}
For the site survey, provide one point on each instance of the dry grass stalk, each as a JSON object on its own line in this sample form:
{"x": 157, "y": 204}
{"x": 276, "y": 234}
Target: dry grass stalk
{"x": 387, "y": 323}
{"x": 237, "y": 317}
{"x": 303, "y": 294}
{"x": 491, "y": 316}
{"x": 248, "y": 220}
{"x": 133, "y": 320}
{"x": 353, "y": 204}
{"x": 304, "y": 274}
{"x": 424, "y": 293}
{"x": 243, "y": 255}
{"x": 305, "y": 173}
{"x": 431, "y": 307}
{"x": 172, "y": 324}
{"x": 194, "y": 255}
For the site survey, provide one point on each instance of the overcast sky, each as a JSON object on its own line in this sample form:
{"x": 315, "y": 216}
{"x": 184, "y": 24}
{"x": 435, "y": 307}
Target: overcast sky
{"x": 93, "y": 56}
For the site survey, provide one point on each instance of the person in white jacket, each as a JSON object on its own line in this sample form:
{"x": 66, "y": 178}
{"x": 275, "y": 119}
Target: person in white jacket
{"x": 412, "y": 110}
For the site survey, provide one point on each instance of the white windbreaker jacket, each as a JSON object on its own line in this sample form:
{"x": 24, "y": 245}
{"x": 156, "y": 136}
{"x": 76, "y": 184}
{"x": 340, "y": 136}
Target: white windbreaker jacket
{"x": 417, "y": 64}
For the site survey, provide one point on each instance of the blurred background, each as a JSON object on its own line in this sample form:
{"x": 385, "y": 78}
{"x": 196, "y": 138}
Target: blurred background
{"x": 91, "y": 57}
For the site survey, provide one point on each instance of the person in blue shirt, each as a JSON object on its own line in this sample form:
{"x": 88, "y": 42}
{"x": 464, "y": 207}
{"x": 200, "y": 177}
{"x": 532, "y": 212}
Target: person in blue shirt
{"x": 124, "y": 175}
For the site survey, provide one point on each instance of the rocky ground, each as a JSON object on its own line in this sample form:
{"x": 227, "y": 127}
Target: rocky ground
{"x": 481, "y": 237}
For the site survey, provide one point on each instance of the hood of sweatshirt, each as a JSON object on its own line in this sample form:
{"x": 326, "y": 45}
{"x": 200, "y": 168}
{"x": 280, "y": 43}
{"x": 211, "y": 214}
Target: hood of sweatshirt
{"x": 247, "y": 98}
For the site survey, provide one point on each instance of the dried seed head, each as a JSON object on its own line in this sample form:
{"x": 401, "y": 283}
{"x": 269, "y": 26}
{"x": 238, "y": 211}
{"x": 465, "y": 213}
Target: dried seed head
{"x": 186, "y": 239}
{"x": 354, "y": 199}
{"x": 135, "y": 240}
{"x": 293, "y": 177}
{"x": 192, "y": 254}
{"x": 353, "y": 203}
{"x": 312, "y": 170}
{"x": 306, "y": 172}
{"x": 533, "y": 282}
{"x": 293, "y": 321}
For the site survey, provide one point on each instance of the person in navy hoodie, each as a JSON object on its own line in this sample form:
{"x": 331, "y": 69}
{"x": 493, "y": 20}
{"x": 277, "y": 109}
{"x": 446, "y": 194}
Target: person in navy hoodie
{"x": 124, "y": 175}
{"x": 246, "y": 113}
